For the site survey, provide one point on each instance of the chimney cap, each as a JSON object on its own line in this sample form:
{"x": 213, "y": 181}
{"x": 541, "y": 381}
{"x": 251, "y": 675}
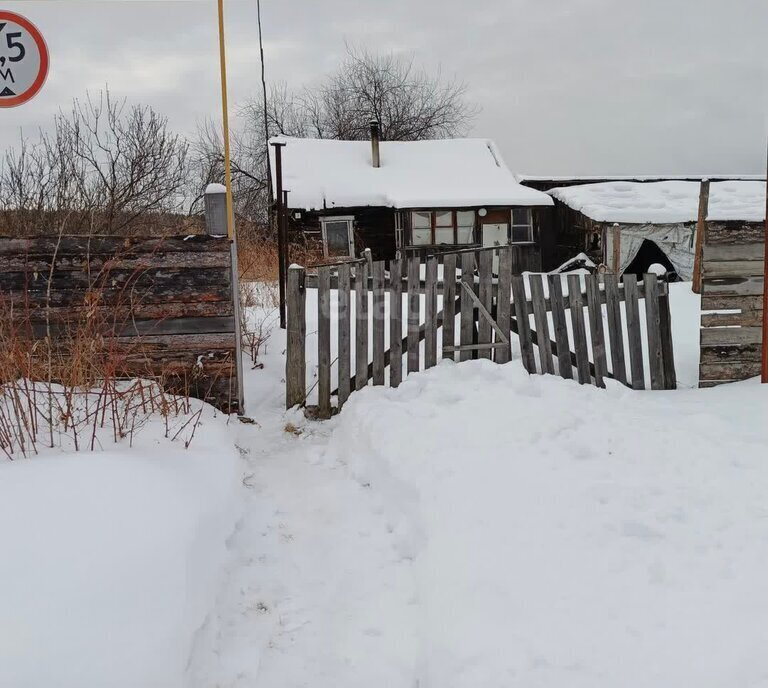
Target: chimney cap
{"x": 374, "y": 122}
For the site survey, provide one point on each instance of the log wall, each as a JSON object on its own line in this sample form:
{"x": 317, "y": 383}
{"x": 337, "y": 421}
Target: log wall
{"x": 165, "y": 304}
{"x": 731, "y": 302}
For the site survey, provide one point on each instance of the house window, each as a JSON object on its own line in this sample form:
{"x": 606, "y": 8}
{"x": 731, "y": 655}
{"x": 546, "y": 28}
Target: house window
{"x": 338, "y": 236}
{"x": 522, "y": 226}
{"x": 433, "y": 227}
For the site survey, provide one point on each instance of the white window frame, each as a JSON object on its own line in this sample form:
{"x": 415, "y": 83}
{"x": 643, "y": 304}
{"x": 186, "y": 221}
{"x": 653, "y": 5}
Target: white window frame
{"x": 513, "y": 224}
{"x": 350, "y": 220}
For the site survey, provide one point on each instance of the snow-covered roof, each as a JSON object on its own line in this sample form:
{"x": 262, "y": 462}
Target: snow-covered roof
{"x": 588, "y": 178}
{"x": 447, "y": 173}
{"x": 664, "y": 202}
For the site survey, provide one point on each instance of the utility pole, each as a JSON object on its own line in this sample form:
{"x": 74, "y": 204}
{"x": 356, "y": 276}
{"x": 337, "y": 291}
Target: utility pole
{"x": 701, "y": 229}
{"x": 764, "y": 375}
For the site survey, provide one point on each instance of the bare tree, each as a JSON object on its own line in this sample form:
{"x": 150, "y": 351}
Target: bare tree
{"x": 106, "y": 167}
{"x": 409, "y": 103}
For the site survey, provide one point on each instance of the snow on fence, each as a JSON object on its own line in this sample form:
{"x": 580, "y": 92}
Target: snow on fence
{"x": 468, "y": 304}
{"x": 731, "y": 302}
{"x": 160, "y": 308}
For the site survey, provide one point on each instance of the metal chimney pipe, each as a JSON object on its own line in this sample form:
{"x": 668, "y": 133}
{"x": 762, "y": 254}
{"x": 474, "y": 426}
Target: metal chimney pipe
{"x": 375, "y": 139}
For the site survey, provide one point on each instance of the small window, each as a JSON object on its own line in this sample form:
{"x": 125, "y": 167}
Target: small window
{"x": 434, "y": 227}
{"x": 338, "y": 237}
{"x": 522, "y": 226}
{"x": 422, "y": 220}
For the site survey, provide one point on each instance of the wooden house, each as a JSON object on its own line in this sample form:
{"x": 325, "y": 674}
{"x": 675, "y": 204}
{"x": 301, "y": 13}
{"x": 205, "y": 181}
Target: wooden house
{"x": 401, "y": 195}
{"x": 630, "y": 225}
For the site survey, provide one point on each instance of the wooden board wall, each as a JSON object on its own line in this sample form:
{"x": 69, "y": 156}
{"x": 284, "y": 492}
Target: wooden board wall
{"x": 731, "y": 302}
{"x": 165, "y": 303}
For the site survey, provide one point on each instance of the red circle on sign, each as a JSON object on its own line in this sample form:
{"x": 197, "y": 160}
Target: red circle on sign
{"x": 42, "y": 48}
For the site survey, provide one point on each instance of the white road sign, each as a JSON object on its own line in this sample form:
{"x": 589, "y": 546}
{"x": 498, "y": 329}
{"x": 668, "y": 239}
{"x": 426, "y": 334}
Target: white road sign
{"x": 23, "y": 60}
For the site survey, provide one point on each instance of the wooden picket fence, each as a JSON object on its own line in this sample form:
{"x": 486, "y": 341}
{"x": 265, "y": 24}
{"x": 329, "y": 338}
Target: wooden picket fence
{"x": 484, "y": 302}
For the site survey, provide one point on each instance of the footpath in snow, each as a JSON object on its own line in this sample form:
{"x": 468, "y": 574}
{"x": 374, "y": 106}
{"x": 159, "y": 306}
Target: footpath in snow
{"x": 480, "y": 527}
{"x": 475, "y": 528}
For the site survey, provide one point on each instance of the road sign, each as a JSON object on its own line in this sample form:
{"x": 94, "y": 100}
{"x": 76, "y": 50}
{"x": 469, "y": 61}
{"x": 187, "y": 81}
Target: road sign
{"x": 23, "y": 60}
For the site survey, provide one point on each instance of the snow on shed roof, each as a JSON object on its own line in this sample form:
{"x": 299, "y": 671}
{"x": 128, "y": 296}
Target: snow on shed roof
{"x": 664, "y": 202}
{"x": 447, "y": 173}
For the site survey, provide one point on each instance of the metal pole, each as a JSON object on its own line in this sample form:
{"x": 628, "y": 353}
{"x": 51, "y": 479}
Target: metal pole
{"x": 284, "y": 239}
{"x": 225, "y": 124}
{"x": 231, "y": 213}
{"x": 281, "y": 249}
{"x": 764, "y": 376}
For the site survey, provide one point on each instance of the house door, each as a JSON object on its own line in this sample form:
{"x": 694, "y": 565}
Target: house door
{"x": 494, "y": 234}
{"x": 338, "y": 239}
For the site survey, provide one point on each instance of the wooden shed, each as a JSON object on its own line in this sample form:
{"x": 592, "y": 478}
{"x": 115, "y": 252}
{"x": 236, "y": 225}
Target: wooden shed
{"x": 392, "y": 195}
{"x": 630, "y": 225}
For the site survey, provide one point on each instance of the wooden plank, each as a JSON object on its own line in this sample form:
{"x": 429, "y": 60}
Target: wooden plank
{"x": 395, "y": 323}
{"x": 121, "y": 297}
{"x": 449, "y": 296}
{"x": 478, "y": 347}
{"x": 733, "y": 268}
{"x": 736, "y": 353}
{"x": 485, "y": 330}
{"x": 596, "y": 330}
{"x": 130, "y": 327}
{"x": 520, "y": 304}
{"x": 361, "y": 326}
{"x": 700, "y": 235}
{"x": 731, "y": 336}
{"x": 344, "y": 333}
{"x": 542, "y": 323}
{"x": 579, "y": 329}
{"x": 467, "y": 308}
{"x": 413, "y": 313}
{"x": 378, "y": 317}
{"x": 121, "y": 314}
{"x": 324, "y": 342}
{"x": 615, "y": 328}
{"x": 503, "y": 354}
{"x": 111, "y": 245}
{"x": 653, "y": 325}
{"x": 296, "y": 335}
{"x": 733, "y": 252}
{"x": 634, "y": 333}
{"x": 430, "y": 313}
{"x": 742, "y": 303}
{"x": 735, "y": 232}
{"x": 739, "y": 318}
{"x": 730, "y": 370}
{"x": 113, "y": 279}
{"x": 202, "y": 342}
{"x": 560, "y": 326}
{"x": 734, "y": 286}
{"x": 135, "y": 327}
{"x": 667, "y": 344}
{"x": 105, "y": 263}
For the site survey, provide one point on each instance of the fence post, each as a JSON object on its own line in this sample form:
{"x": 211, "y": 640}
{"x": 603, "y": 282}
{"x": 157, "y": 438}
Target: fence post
{"x": 296, "y": 331}
{"x": 216, "y": 225}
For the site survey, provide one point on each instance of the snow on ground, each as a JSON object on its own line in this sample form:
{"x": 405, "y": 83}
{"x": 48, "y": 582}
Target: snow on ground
{"x": 477, "y": 527}
{"x": 111, "y": 560}
{"x": 480, "y": 527}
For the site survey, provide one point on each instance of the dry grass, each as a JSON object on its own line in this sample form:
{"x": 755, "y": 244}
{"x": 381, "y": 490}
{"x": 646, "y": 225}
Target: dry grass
{"x": 65, "y": 380}
{"x": 258, "y": 257}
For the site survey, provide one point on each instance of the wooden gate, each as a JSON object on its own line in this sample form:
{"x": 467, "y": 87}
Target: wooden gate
{"x": 453, "y": 304}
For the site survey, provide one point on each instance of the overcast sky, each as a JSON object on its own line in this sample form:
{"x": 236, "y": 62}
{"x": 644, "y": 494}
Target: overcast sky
{"x": 564, "y": 86}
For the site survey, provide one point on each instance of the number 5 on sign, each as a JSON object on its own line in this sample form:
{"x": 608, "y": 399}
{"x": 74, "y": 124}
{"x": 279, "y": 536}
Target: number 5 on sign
{"x": 23, "y": 60}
